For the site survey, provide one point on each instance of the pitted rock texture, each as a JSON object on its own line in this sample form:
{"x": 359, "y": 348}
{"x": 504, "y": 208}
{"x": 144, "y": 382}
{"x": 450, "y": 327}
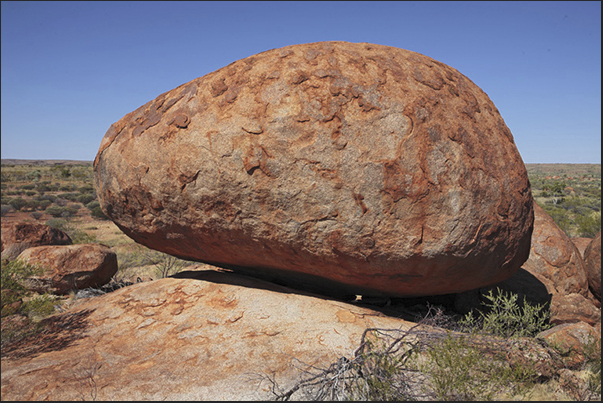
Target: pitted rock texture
{"x": 18, "y": 236}
{"x": 353, "y": 167}
{"x": 69, "y": 267}
{"x": 592, "y": 260}
{"x": 570, "y": 340}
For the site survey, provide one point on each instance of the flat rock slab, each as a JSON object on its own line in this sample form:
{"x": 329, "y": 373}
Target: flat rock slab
{"x": 210, "y": 336}
{"x": 344, "y": 167}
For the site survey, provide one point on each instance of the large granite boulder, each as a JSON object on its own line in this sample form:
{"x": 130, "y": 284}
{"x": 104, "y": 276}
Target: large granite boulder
{"x": 69, "y": 267}
{"x": 18, "y": 236}
{"x": 344, "y": 167}
{"x": 592, "y": 260}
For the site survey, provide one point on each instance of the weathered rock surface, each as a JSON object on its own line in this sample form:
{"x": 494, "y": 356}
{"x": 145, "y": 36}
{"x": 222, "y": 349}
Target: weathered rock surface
{"x": 581, "y": 243}
{"x": 353, "y": 167}
{"x": 554, "y": 274}
{"x": 592, "y": 260}
{"x": 554, "y": 258}
{"x": 18, "y": 236}
{"x": 570, "y": 339}
{"x": 70, "y": 267}
{"x": 211, "y": 336}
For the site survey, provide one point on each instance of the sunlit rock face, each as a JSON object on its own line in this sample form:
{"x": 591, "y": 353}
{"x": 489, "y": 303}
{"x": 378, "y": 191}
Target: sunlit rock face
{"x": 341, "y": 167}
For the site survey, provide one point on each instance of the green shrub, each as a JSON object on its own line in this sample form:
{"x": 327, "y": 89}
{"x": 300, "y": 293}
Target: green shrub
{"x": 506, "y": 318}
{"x": 58, "y": 223}
{"x": 36, "y": 215}
{"x": 69, "y": 196}
{"x": 44, "y": 204}
{"x": 18, "y": 203}
{"x": 55, "y": 211}
{"x": 592, "y": 350}
{"x": 97, "y": 212}
{"x": 589, "y": 225}
{"x": 85, "y": 198}
{"x": 12, "y": 277}
{"x": 459, "y": 369}
{"x": 85, "y": 189}
{"x": 73, "y": 208}
{"x": 32, "y": 205}
{"x": 80, "y": 237}
{"x": 92, "y": 205}
{"x": 39, "y": 306}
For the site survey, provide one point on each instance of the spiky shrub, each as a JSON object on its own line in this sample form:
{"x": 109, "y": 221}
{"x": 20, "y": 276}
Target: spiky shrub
{"x": 13, "y": 274}
{"x": 504, "y": 316}
{"x": 459, "y": 367}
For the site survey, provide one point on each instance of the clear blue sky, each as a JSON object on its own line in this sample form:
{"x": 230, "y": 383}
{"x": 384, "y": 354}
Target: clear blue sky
{"x": 71, "y": 69}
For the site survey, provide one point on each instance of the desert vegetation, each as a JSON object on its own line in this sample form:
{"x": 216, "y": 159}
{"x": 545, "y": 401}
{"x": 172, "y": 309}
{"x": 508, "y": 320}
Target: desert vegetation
{"x": 494, "y": 353}
{"x": 62, "y": 196}
{"x": 570, "y": 194}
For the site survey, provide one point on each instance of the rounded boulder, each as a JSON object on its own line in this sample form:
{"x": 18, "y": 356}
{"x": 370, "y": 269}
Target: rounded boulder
{"x": 68, "y": 268}
{"x": 340, "y": 167}
{"x": 592, "y": 259}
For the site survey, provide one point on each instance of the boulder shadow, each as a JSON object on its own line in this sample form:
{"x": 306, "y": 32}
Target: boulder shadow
{"x": 414, "y": 309}
{"x": 57, "y": 333}
{"x": 263, "y": 282}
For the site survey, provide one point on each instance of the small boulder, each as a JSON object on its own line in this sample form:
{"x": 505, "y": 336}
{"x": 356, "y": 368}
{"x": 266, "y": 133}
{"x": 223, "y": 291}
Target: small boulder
{"x": 574, "y": 308}
{"x": 69, "y": 267}
{"x": 554, "y": 258}
{"x": 18, "y": 236}
{"x": 570, "y": 340}
{"x": 592, "y": 260}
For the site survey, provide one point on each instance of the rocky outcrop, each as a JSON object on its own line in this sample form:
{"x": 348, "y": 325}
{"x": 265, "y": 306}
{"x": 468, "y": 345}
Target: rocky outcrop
{"x": 554, "y": 275}
{"x": 554, "y": 258}
{"x": 570, "y": 339}
{"x": 347, "y": 168}
{"x": 592, "y": 260}
{"x": 205, "y": 336}
{"x": 581, "y": 243}
{"x": 69, "y": 267}
{"x": 18, "y": 236}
